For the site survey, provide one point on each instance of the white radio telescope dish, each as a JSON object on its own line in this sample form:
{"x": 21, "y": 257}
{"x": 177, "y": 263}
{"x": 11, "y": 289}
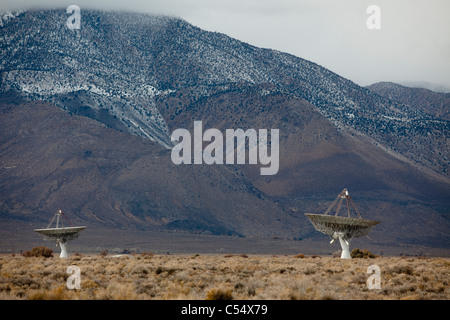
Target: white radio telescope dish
{"x": 60, "y": 234}
{"x": 342, "y": 228}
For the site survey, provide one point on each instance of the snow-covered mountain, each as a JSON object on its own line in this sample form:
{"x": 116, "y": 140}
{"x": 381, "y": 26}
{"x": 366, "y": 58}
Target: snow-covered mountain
{"x": 127, "y": 80}
{"x": 117, "y": 63}
{"x": 434, "y": 103}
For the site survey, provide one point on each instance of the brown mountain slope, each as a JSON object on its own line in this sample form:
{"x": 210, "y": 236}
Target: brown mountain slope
{"x": 51, "y": 160}
{"x": 318, "y": 158}
{"x": 109, "y": 179}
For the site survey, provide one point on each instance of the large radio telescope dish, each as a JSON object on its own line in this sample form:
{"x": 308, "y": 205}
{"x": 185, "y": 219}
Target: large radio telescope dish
{"x": 60, "y": 235}
{"x": 342, "y": 228}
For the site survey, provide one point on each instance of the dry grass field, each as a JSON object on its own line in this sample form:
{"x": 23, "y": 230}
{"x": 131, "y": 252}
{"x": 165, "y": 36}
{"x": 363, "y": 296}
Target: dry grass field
{"x": 161, "y": 277}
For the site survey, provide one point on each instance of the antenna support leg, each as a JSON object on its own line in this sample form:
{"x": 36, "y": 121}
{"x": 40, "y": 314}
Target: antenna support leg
{"x": 345, "y": 245}
{"x": 62, "y": 245}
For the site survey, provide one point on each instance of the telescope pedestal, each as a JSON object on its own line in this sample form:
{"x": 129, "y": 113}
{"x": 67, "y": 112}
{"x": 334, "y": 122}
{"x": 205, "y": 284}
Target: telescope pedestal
{"x": 345, "y": 245}
{"x": 62, "y": 245}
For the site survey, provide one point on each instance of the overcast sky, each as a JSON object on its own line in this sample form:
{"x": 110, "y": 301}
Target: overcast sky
{"x": 413, "y": 44}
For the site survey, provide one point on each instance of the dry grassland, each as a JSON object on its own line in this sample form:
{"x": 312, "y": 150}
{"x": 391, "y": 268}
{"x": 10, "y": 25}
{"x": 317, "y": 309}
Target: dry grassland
{"x": 148, "y": 276}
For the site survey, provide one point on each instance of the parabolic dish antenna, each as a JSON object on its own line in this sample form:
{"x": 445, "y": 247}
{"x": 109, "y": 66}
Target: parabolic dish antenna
{"x": 60, "y": 235}
{"x": 342, "y": 228}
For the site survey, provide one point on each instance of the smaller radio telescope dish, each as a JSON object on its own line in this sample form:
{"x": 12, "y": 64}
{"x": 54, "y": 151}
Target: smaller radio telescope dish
{"x": 60, "y": 235}
{"x": 342, "y": 228}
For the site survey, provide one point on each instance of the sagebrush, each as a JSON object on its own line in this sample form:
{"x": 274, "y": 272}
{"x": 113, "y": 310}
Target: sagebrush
{"x": 153, "y": 276}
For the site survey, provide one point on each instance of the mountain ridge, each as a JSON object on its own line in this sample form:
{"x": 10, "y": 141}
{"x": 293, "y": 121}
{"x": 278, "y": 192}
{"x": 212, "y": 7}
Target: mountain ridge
{"x": 428, "y": 101}
{"x": 166, "y": 54}
{"x": 142, "y": 75}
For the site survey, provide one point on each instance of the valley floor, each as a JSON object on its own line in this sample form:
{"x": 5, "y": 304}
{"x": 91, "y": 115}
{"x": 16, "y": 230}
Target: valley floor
{"x": 223, "y": 276}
